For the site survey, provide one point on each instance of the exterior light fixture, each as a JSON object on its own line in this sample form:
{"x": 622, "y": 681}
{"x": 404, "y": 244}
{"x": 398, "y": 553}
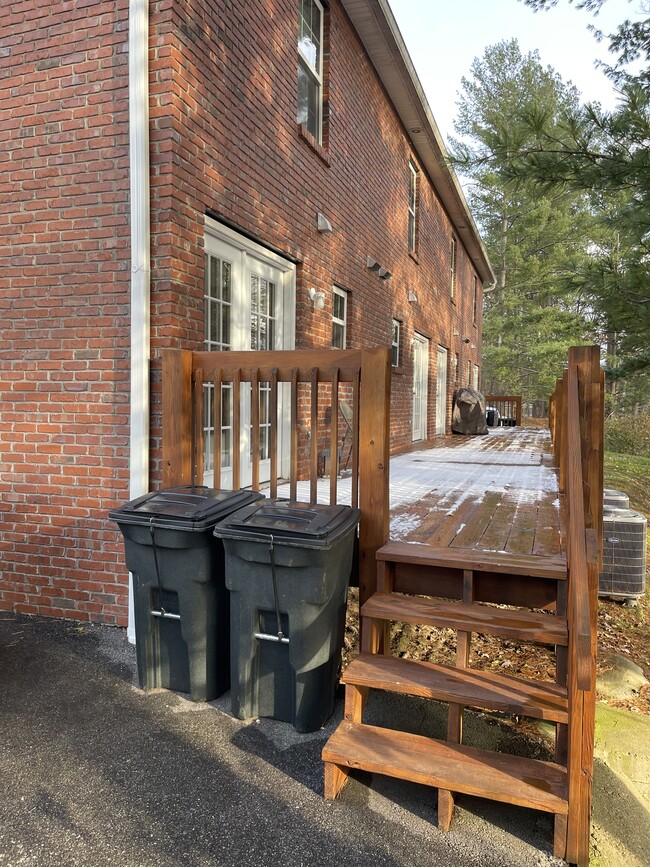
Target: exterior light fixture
{"x": 384, "y": 274}
{"x": 412, "y": 297}
{"x": 317, "y": 298}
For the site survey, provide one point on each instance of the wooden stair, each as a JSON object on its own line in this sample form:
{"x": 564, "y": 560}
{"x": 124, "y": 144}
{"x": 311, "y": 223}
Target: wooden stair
{"x": 406, "y": 570}
{"x": 480, "y": 689}
{"x": 484, "y": 773}
{"x": 469, "y": 617}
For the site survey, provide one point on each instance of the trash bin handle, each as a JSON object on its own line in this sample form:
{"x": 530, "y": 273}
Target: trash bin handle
{"x": 274, "y": 576}
{"x": 161, "y": 612}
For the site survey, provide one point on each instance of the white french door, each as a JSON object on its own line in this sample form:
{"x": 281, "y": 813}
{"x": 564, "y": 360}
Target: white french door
{"x": 249, "y": 304}
{"x": 441, "y": 392}
{"x": 420, "y": 386}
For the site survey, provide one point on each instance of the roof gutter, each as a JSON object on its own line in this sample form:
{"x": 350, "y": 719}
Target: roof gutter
{"x": 140, "y": 258}
{"x": 376, "y": 26}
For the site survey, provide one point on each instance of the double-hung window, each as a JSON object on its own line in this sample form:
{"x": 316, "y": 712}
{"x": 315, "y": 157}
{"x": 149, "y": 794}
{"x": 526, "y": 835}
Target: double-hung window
{"x": 310, "y": 67}
{"x": 475, "y": 303}
{"x": 395, "y": 344}
{"x": 452, "y": 269}
{"x": 339, "y": 318}
{"x": 412, "y": 207}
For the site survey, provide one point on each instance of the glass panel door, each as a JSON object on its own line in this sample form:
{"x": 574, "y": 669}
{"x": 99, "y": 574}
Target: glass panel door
{"x": 420, "y": 385}
{"x": 249, "y": 304}
{"x": 441, "y": 392}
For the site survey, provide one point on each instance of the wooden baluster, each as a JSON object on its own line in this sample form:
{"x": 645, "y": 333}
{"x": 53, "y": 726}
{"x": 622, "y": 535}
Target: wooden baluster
{"x": 293, "y": 478}
{"x": 334, "y": 434}
{"x": 236, "y": 431}
{"x": 273, "y": 438}
{"x": 313, "y": 463}
{"x": 199, "y": 396}
{"x": 255, "y": 428}
{"x": 216, "y": 424}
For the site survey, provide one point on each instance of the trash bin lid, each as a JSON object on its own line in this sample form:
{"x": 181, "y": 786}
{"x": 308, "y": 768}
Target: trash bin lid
{"x": 187, "y": 507}
{"x": 308, "y": 525}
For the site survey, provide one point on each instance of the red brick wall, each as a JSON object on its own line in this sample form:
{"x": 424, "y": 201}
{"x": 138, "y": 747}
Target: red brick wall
{"x": 224, "y": 141}
{"x": 64, "y": 306}
{"x": 229, "y": 140}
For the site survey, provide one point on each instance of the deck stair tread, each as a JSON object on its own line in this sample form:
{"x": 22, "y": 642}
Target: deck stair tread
{"x": 459, "y": 768}
{"x": 527, "y": 565}
{"x": 518, "y": 624}
{"x": 483, "y": 689}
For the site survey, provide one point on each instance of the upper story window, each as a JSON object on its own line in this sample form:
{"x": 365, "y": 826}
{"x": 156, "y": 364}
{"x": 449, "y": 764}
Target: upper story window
{"x": 339, "y": 318}
{"x": 395, "y": 344}
{"x": 310, "y": 67}
{"x": 413, "y": 199}
{"x": 475, "y": 304}
{"x": 452, "y": 269}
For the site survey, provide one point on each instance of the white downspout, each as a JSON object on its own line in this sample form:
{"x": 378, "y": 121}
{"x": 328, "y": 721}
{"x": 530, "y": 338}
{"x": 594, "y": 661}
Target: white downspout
{"x": 140, "y": 261}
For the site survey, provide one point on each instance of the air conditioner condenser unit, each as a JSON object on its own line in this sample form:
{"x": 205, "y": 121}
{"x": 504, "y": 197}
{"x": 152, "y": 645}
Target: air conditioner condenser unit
{"x": 612, "y": 497}
{"x": 624, "y": 553}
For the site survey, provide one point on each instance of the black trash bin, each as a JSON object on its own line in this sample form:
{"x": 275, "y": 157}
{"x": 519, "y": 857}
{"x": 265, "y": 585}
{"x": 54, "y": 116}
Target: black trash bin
{"x": 287, "y": 568}
{"x": 181, "y": 605}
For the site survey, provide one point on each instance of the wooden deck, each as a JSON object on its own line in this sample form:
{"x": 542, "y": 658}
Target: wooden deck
{"x": 489, "y": 493}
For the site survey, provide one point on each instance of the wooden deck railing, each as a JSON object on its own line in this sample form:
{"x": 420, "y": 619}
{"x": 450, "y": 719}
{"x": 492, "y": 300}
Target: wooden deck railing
{"x": 507, "y": 405}
{"x": 297, "y": 386}
{"x": 576, "y": 421}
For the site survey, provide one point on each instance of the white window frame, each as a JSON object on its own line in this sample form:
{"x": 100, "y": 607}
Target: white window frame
{"x": 396, "y": 340}
{"x": 226, "y": 244}
{"x": 412, "y": 207}
{"x": 313, "y": 67}
{"x": 475, "y": 302}
{"x": 340, "y": 293}
{"x": 453, "y": 253}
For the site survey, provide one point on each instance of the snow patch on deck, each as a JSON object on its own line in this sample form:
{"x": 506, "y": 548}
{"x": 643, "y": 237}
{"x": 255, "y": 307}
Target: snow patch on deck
{"x": 502, "y": 463}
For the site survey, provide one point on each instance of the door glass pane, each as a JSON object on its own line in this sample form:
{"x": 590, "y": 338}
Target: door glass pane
{"x": 226, "y": 282}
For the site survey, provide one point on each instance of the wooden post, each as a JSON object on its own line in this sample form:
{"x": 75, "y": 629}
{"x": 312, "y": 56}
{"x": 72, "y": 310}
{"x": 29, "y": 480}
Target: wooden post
{"x": 562, "y": 439}
{"x": 177, "y": 433}
{"x": 552, "y": 405}
{"x": 584, "y": 490}
{"x": 374, "y": 448}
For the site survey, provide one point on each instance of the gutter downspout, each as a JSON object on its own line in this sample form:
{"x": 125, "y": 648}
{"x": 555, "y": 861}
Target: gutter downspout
{"x": 140, "y": 259}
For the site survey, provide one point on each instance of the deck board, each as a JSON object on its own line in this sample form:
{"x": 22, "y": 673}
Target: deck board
{"x": 497, "y": 493}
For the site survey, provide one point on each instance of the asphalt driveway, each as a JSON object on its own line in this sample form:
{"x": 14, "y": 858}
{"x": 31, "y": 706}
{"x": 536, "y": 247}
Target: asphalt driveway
{"x": 96, "y": 772}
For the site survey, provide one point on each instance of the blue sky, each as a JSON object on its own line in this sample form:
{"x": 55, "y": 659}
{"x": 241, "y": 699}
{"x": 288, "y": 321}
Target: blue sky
{"x": 443, "y": 39}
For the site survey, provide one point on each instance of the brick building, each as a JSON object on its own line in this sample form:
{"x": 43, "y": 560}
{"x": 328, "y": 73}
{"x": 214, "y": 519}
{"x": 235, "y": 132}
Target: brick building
{"x": 203, "y": 173}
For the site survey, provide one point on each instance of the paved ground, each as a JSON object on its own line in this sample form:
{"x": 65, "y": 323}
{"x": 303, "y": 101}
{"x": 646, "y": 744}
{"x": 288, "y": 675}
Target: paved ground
{"x": 95, "y": 772}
